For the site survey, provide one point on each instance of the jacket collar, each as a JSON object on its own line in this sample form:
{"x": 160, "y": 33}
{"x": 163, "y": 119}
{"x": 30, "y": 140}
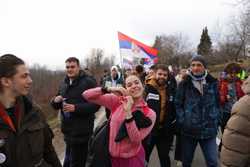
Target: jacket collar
{"x": 209, "y": 79}
{"x": 81, "y": 75}
{"x": 23, "y": 107}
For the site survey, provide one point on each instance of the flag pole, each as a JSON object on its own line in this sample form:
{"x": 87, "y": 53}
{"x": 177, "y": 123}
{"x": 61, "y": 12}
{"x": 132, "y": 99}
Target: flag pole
{"x": 121, "y": 59}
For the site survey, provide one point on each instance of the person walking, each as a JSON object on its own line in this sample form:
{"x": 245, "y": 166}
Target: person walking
{"x": 131, "y": 120}
{"x": 77, "y": 115}
{"x": 198, "y": 113}
{"x": 25, "y": 137}
{"x": 159, "y": 94}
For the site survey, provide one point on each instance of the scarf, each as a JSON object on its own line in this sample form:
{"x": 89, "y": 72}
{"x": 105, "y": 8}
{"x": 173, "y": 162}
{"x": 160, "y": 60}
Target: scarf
{"x": 198, "y": 80}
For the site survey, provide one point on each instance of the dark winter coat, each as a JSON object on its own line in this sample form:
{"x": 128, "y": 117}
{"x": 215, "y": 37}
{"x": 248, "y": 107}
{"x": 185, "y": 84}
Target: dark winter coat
{"x": 31, "y": 144}
{"x": 198, "y": 115}
{"x": 77, "y": 126}
{"x": 153, "y": 100}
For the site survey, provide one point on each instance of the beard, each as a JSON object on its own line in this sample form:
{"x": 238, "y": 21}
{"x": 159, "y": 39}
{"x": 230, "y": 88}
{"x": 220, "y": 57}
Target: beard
{"x": 161, "y": 82}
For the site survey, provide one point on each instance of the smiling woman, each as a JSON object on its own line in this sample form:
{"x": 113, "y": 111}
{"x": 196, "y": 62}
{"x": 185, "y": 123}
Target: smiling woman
{"x": 126, "y": 130}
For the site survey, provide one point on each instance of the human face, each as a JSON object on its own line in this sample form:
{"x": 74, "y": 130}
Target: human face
{"x": 134, "y": 86}
{"x": 72, "y": 69}
{"x": 114, "y": 73}
{"x": 21, "y": 82}
{"x": 197, "y": 68}
{"x": 161, "y": 77}
{"x": 232, "y": 75}
{"x": 128, "y": 72}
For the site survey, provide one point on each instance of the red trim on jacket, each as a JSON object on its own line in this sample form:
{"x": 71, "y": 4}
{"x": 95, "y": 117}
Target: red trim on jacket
{"x": 6, "y": 118}
{"x": 223, "y": 90}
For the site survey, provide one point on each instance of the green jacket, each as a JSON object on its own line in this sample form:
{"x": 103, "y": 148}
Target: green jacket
{"x": 242, "y": 75}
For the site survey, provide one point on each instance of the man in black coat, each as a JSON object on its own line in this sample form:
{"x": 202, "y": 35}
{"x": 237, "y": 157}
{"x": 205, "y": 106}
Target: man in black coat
{"x": 77, "y": 115}
{"x": 159, "y": 94}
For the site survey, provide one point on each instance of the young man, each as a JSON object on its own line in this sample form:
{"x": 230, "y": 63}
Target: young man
{"x": 198, "y": 113}
{"x": 25, "y": 137}
{"x": 159, "y": 94}
{"x": 77, "y": 115}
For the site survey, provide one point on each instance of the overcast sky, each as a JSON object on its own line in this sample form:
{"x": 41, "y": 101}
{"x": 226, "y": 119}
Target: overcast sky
{"x": 49, "y": 31}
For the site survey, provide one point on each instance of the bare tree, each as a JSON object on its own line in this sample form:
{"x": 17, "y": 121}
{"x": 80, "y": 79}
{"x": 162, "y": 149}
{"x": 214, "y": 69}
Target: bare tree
{"x": 172, "y": 48}
{"x": 97, "y": 61}
{"x": 44, "y": 87}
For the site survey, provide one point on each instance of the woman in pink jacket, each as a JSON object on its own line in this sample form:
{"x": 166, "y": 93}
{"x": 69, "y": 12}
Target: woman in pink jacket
{"x": 123, "y": 103}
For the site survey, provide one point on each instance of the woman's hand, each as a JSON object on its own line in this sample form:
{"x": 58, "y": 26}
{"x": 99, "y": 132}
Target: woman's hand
{"x": 119, "y": 91}
{"x": 127, "y": 106}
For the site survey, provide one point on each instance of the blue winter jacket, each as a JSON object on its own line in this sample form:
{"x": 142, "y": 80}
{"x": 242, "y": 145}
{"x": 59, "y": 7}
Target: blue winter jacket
{"x": 198, "y": 115}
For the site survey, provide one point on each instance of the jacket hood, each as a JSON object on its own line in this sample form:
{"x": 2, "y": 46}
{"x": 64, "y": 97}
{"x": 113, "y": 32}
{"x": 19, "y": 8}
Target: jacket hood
{"x": 152, "y": 82}
{"x": 246, "y": 86}
{"x": 148, "y": 79}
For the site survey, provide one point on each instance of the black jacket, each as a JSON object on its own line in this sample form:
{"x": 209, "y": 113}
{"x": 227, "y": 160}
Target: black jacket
{"x": 31, "y": 144}
{"x": 77, "y": 126}
{"x": 153, "y": 99}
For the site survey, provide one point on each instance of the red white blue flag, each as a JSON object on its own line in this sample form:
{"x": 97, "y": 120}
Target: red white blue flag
{"x": 133, "y": 51}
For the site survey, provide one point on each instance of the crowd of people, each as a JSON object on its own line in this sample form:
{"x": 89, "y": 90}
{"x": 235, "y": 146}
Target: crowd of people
{"x": 159, "y": 108}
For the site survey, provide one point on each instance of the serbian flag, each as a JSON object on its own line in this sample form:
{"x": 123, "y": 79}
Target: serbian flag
{"x": 133, "y": 51}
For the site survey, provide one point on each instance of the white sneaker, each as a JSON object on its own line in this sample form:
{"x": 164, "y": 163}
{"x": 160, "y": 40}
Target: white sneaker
{"x": 179, "y": 163}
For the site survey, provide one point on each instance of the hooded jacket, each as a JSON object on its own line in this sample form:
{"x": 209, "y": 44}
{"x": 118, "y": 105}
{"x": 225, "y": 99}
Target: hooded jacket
{"x": 154, "y": 100}
{"x": 236, "y": 137}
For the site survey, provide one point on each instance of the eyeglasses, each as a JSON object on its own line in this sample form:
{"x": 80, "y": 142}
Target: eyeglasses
{"x": 70, "y": 67}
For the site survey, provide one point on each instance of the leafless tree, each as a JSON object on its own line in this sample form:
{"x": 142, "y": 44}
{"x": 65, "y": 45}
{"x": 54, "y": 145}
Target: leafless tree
{"x": 172, "y": 48}
{"x": 97, "y": 61}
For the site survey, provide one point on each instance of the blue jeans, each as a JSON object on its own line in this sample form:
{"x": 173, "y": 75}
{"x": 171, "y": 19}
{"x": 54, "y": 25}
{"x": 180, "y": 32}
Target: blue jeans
{"x": 208, "y": 146}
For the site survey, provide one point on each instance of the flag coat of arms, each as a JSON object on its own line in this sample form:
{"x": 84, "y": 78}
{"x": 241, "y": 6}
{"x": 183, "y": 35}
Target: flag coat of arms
{"x": 133, "y": 51}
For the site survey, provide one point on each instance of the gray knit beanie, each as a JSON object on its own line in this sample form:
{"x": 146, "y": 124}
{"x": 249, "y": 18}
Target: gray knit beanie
{"x": 199, "y": 59}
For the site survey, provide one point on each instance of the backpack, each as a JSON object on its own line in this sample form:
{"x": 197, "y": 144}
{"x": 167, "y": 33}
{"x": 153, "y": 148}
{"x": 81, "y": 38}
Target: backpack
{"x": 98, "y": 147}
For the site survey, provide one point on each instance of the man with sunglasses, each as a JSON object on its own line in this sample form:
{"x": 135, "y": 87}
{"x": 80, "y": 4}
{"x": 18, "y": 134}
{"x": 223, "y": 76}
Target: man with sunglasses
{"x": 77, "y": 115}
{"x": 198, "y": 113}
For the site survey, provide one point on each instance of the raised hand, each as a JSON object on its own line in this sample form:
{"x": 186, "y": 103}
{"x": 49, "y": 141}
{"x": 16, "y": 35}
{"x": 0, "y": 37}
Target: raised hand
{"x": 58, "y": 99}
{"x": 119, "y": 91}
{"x": 127, "y": 106}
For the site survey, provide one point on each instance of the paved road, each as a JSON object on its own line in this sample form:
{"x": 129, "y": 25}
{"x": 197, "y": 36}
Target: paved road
{"x": 154, "y": 161}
